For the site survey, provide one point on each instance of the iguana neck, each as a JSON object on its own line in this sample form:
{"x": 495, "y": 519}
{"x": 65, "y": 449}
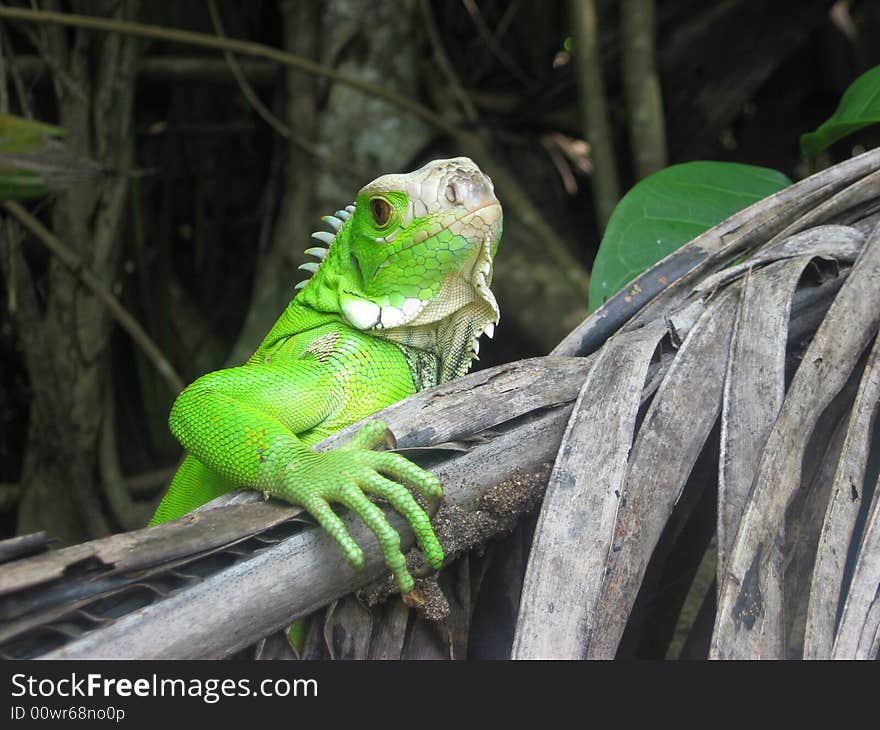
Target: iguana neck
{"x": 300, "y": 317}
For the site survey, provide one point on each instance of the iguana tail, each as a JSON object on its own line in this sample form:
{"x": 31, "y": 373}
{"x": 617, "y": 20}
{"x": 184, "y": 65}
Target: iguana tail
{"x": 193, "y": 485}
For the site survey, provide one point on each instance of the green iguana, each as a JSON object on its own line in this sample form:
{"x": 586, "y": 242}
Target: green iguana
{"x": 397, "y": 303}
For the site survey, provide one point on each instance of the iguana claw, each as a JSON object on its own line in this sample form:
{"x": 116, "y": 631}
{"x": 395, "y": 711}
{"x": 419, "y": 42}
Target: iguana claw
{"x": 414, "y": 599}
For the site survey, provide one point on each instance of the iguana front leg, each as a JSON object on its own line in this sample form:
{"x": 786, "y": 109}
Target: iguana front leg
{"x": 245, "y": 424}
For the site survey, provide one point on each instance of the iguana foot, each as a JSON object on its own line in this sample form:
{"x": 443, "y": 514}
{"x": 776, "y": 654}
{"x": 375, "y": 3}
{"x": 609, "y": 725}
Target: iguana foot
{"x": 350, "y": 476}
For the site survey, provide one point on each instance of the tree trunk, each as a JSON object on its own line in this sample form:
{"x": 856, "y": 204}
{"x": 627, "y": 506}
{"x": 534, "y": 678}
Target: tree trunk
{"x": 95, "y": 100}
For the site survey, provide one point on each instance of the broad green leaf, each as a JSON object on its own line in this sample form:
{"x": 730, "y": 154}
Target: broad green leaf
{"x": 668, "y": 209}
{"x": 859, "y": 107}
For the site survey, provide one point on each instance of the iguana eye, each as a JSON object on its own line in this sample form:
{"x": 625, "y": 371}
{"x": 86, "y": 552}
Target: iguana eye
{"x": 381, "y": 210}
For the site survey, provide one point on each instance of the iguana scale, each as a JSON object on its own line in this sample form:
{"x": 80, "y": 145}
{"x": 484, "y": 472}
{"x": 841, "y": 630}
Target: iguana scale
{"x": 397, "y": 303}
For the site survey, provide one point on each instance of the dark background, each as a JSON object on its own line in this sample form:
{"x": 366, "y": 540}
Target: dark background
{"x": 208, "y": 197}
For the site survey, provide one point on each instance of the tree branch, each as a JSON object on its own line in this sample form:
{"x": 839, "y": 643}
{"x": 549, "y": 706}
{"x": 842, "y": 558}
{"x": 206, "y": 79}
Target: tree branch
{"x": 594, "y": 112}
{"x": 240, "y": 47}
{"x": 94, "y": 284}
{"x": 472, "y": 144}
{"x": 647, "y": 129}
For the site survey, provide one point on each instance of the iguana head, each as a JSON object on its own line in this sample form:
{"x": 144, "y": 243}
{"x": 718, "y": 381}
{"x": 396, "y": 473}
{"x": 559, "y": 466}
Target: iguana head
{"x": 411, "y": 261}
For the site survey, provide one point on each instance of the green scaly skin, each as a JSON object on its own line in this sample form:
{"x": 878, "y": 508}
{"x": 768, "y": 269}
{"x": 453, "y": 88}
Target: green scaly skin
{"x": 397, "y": 304}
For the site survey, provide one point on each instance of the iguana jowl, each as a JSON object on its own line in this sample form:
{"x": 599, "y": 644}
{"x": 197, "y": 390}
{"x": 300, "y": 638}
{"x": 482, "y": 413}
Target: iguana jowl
{"x": 397, "y": 304}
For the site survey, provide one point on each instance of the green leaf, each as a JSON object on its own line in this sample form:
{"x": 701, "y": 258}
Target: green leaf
{"x": 668, "y": 209}
{"x": 18, "y": 134}
{"x": 859, "y": 107}
{"x": 18, "y": 185}
{"x": 20, "y": 141}
{"x": 34, "y": 160}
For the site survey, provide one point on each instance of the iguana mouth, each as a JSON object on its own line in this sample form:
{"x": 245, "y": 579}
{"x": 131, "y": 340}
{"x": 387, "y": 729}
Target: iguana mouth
{"x": 451, "y": 323}
{"x": 476, "y": 273}
{"x": 459, "y": 192}
{"x": 493, "y": 205}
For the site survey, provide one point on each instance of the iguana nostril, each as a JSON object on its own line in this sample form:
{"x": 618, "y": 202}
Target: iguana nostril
{"x": 472, "y": 191}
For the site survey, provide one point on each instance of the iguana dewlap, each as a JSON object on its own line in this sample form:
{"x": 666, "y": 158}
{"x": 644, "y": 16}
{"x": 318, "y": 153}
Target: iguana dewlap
{"x": 397, "y": 303}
